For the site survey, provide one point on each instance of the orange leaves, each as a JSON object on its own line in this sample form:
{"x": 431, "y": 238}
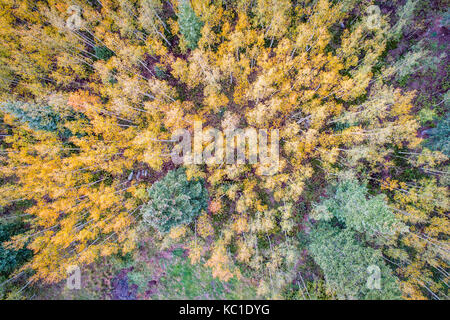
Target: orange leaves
{"x": 215, "y": 206}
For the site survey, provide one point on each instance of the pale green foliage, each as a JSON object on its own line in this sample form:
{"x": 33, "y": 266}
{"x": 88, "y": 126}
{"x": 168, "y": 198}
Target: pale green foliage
{"x": 348, "y": 5}
{"x": 350, "y": 206}
{"x": 174, "y": 201}
{"x": 413, "y": 60}
{"x": 194, "y": 281}
{"x": 190, "y": 25}
{"x": 426, "y": 115}
{"x": 417, "y": 59}
{"x": 345, "y": 264}
{"x": 343, "y": 218}
{"x": 405, "y": 16}
{"x": 446, "y": 99}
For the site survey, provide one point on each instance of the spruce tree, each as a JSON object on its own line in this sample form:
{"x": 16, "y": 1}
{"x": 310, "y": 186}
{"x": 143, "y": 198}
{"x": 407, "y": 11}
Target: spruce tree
{"x": 190, "y": 25}
{"x": 37, "y": 117}
{"x": 174, "y": 201}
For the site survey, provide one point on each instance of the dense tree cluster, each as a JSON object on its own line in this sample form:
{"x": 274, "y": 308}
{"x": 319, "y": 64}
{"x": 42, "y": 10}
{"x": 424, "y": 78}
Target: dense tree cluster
{"x": 174, "y": 201}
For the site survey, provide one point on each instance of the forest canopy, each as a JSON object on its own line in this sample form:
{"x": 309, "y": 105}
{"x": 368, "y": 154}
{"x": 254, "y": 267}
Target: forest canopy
{"x": 91, "y": 93}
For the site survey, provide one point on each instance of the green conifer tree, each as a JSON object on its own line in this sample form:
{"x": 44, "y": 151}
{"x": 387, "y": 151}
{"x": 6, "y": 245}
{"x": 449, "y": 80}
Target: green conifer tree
{"x": 190, "y": 25}
{"x": 174, "y": 201}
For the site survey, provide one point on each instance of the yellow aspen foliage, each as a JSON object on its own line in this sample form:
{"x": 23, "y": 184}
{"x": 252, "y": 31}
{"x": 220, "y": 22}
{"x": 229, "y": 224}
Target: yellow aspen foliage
{"x": 220, "y": 263}
{"x": 195, "y": 254}
{"x": 204, "y": 226}
{"x": 240, "y": 224}
{"x": 177, "y": 233}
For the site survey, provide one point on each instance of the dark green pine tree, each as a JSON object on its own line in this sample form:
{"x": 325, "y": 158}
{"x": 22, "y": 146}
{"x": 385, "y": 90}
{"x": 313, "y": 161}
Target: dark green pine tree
{"x": 439, "y": 137}
{"x": 103, "y": 53}
{"x": 11, "y": 259}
